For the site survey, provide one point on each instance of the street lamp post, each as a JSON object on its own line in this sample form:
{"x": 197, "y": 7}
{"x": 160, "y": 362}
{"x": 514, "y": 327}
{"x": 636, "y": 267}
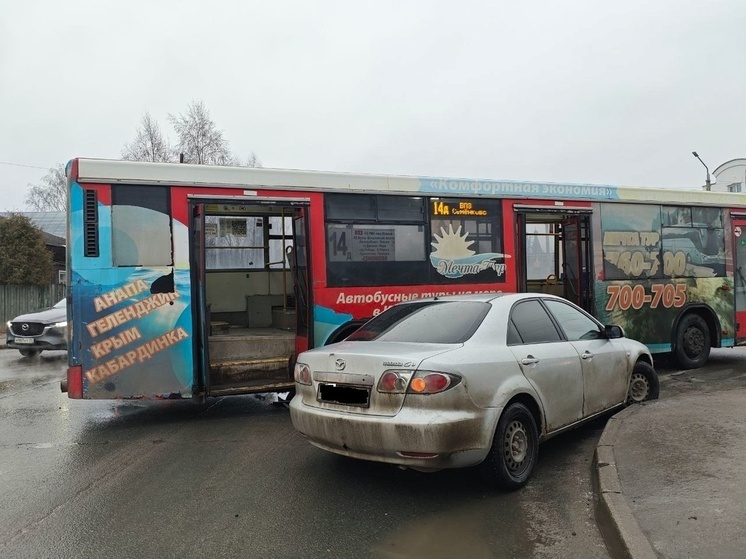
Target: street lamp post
{"x": 707, "y": 180}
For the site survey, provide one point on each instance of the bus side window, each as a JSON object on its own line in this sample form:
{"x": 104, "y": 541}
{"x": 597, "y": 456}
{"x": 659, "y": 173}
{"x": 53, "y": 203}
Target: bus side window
{"x": 141, "y": 225}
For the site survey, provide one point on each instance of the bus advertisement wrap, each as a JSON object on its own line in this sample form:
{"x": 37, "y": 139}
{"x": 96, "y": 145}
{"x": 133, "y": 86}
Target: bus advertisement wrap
{"x": 196, "y": 281}
{"x": 667, "y": 258}
{"x": 135, "y": 321}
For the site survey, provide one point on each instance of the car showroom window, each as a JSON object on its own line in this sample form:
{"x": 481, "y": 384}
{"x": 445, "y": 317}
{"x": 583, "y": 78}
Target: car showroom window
{"x": 576, "y": 325}
{"x": 533, "y": 324}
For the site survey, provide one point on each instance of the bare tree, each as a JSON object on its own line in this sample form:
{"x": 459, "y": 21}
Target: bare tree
{"x": 50, "y": 195}
{"x": 149, "y": 144}
{"x": 199, "y": 139}
{"x": 253, "y": 161}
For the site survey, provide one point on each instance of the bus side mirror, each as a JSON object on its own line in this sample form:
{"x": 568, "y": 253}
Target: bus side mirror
{"x": 613, "y": 331}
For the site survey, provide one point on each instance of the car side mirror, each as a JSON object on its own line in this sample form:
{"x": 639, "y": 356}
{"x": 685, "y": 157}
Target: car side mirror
{"x": 613, "y": 331}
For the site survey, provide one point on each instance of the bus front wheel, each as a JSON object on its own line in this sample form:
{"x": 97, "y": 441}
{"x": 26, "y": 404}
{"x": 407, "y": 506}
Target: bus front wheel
{"x": 692, "y": 342}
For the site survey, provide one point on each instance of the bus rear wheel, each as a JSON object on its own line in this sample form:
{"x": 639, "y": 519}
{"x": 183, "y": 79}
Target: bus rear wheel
{"x": 692, "y": 342}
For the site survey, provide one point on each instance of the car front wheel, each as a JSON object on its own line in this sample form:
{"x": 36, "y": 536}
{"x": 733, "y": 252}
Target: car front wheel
{"x": 515, "y": 448}
{"x": 29, "y": 352}
{"x": 643, "y": 384}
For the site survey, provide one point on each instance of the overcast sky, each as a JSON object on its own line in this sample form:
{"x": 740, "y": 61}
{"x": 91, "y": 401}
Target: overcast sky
{"x": 612, "y": 92}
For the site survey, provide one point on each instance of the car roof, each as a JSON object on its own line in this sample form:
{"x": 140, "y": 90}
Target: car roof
{"x": 489, "y": 297}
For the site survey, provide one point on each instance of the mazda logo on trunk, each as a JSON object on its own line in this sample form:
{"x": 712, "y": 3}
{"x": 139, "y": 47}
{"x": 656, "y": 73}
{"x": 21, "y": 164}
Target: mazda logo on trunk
{"x": 340, "y": 364}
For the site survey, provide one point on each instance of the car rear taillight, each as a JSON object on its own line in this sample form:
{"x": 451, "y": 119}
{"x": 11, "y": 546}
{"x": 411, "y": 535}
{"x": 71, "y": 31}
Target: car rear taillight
{"x": 394, "y": 381}
{"x": 399, "y": 381}
{"x": 74, "y": 387}
{"x": 302, "y": 374}
{"x": 430, "y": 382}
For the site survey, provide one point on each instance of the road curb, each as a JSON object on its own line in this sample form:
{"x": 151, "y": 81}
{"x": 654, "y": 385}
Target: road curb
{"x": 618, "y": 526}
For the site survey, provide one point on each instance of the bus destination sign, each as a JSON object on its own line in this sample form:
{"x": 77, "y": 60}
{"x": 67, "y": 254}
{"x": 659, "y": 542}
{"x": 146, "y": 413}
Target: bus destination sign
{"x": 458, "y": 208}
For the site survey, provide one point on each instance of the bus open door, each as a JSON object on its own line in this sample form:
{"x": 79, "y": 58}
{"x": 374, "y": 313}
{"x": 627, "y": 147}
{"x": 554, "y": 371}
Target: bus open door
{"x": 250, "y": 287}
{"x": 200, "y": 309}
{"x": 555, "y": 252}
{"x": 576, "y": 267}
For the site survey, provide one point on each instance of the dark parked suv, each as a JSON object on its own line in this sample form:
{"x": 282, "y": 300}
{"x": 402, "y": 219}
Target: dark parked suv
{"x": 34, "y": 332}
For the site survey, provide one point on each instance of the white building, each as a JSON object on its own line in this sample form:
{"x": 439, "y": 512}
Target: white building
{"x": 731, "y": 176}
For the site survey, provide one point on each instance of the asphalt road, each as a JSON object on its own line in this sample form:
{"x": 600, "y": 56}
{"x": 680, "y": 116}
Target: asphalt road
{"x": 231, "y": 478}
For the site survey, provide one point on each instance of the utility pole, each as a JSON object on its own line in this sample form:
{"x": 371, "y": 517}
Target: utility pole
{"x": 708, "y": 185}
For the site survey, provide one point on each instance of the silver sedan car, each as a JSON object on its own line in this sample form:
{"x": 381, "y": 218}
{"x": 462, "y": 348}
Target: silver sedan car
{"x": 456, "y": 381}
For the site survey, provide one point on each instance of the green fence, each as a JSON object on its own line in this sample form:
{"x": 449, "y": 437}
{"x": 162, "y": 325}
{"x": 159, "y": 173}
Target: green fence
{"x": 20, "y": 299}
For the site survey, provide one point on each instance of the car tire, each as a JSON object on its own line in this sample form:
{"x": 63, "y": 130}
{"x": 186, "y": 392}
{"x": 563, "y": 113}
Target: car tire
{"x": 692, "y": 342}
{"x": 515, "y": 448}
{"x": 643, "y": 384}
{"x": 29, "y": 352}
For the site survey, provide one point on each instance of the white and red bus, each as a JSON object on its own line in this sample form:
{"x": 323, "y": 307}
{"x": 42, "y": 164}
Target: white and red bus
{"x": 189, "y": 281}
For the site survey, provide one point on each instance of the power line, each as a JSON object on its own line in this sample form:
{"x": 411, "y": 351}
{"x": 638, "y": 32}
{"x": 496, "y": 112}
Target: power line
{"x": 22, "y": 165}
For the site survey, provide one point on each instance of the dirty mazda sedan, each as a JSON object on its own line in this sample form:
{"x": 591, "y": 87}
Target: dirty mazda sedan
{"x": 463, "y": 380}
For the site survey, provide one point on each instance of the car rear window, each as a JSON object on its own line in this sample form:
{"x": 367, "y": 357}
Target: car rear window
{"x": 430, "y": 322}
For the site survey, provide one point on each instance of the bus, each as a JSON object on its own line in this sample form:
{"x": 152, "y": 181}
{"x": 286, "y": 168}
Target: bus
{"x": 189, "y": 281}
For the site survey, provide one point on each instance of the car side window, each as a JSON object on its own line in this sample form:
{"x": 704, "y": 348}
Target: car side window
{"x": 513, "y": 337}
{"x": 532, "y": 324}
{"x": 576, "y": 325}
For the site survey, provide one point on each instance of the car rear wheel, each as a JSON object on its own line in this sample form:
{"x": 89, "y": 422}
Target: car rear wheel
{"x": 692, "y": 342}
{"x": 515, "y": 447}
{"x": 29, "y": 352}
{"x": 643, "y": 384}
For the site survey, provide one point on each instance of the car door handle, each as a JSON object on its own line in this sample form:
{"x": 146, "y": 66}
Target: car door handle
{"x": 586, "y": 355}
{"x": 529, "y": 360}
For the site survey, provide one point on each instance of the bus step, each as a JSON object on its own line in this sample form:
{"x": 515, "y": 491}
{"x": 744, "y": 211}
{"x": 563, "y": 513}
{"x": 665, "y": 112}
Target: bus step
{"x": 251, "y": 372}
{"x": 254, "y": 344}
{"x": 251, "y": 389}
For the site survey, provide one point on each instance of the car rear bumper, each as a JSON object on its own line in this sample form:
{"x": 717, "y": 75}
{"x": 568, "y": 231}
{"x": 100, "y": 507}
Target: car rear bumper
{"x": 457, "y": 437}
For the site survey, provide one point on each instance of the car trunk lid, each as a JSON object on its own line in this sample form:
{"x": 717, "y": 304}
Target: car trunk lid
{"x": 346, "y": 376}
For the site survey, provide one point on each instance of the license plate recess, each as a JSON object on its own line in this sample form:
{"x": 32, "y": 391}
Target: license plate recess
{"x": 347, "y": 395}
